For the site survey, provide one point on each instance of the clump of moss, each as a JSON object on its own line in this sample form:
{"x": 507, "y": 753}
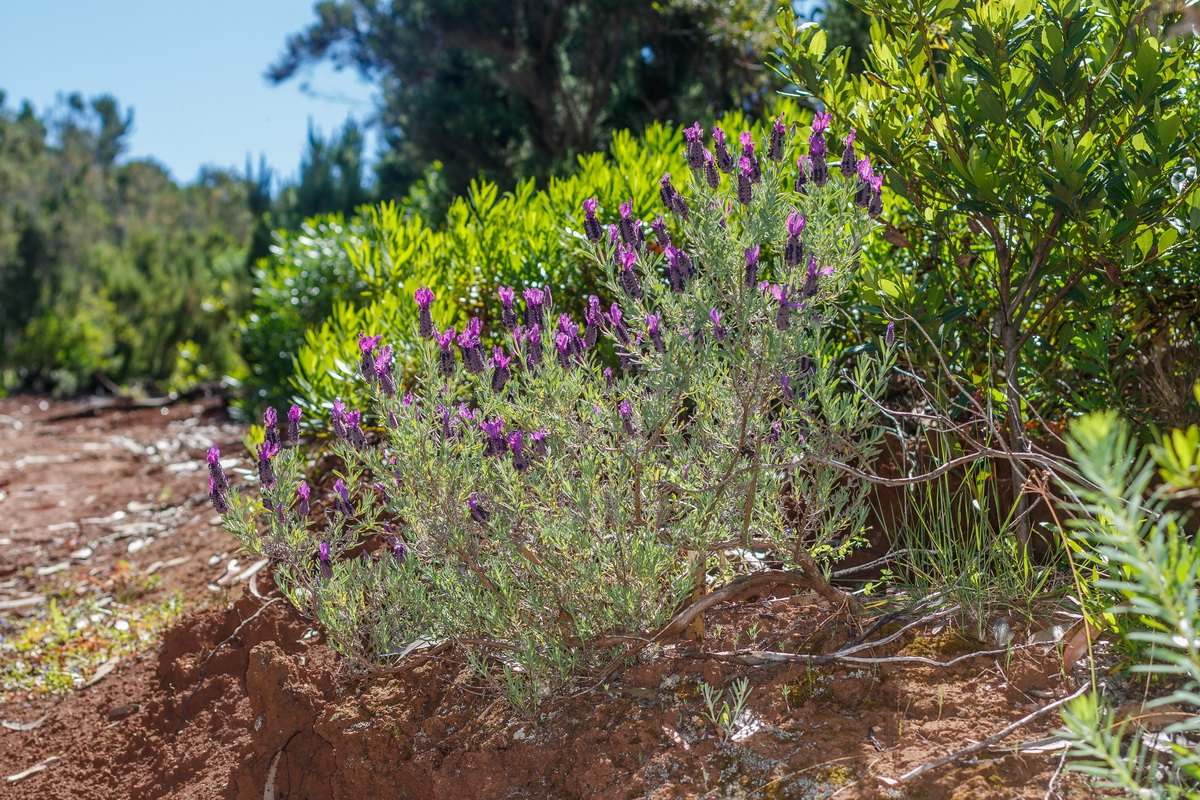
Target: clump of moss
{"x": 947, "y": 644}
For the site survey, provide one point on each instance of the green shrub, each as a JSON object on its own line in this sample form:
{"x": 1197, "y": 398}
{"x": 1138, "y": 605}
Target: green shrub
{"x": 323, "y": 286}
{"x": 1142, "y": 549}
{"x": 542, "y": 512}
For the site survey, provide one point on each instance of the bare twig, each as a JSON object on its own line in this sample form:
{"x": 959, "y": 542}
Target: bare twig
{"x": 996, "y": 737}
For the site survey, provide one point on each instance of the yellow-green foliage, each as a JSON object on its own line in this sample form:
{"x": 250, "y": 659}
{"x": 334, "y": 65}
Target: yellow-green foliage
{"x": 488, "y": 239}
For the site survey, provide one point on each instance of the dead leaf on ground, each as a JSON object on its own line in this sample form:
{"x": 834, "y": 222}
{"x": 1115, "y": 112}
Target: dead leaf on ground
{"x": 24, "y": 726}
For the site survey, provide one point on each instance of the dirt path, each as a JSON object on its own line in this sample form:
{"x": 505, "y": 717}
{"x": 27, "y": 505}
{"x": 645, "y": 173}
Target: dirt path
{"x": 240, "y": 699}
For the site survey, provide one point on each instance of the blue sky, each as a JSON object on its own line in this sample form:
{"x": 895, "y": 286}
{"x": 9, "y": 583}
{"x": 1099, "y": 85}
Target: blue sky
{"x": 191, "y": 71}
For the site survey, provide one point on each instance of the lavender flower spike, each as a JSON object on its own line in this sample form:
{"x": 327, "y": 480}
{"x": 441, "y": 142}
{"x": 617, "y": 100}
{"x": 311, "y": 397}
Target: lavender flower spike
{"x": 302, "y": 506}
{"x": 625, "y": 223}
{"x": 710, "y": 171}
{"x": 323, "y": 557}
{"x": 793, "y": 250}
{"x": 215, "y": 471}
{"x": 539, "y": 442}
{"x": 367, "y": 345}
{"x": 445, "y": 340}
{"x": 752, "y": 266}
{"x": 500, "y": 370}
{"x": 778, "y": 133}
{"x": 625, "y": 411}
{"x": 494, "y": 430}
{"x": 217, "y": 498}
{"x": 271, "y": 426}
{"x": 661, "y": 235}
{"x": 724, "y": 157}
{"x": 293, "y": 432}
{"x": 424, "y": 298}
{"x": 783, "y": 313}
{"x": 533, "y": 347}
{"x": 508, "y": 317}
{"x": 266, "y": 472}
{"x": 591, "y": 225}
{"x": 341, "y": 503}
{"x": 695, "y": 149}
{"x": 592, "y": 318}
{"x": 674, "y": 270}
{"x": 383, "y": 370}
{"x": 562, "y": 343}
{"x": 618, "y": 327}
{"x": 655, "y": 331}
{"x": 802, "y": 178}
{"x": 476, "y": 509}
{"x": 745, "y": 192}
{"x": 627, "y": 277}
{"x": 534, "y": 298}
{"x": 816, "y": 149}
{"x": 849, "y": 158}
{"x": 889, "y": 338}
{"x": 718, "y": 328}
{"x": 517, "y": 446}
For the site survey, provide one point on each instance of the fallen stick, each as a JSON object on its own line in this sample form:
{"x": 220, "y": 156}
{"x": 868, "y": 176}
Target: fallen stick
{"x": 991, "y": 740}
{"x": 36, "y": 768}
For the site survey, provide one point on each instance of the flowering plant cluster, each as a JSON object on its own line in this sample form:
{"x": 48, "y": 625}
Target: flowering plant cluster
{"x": 543, "y": 502}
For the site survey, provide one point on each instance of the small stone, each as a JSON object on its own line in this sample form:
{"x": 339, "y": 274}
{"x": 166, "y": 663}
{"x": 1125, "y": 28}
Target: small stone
{"x": 123, "y": 710}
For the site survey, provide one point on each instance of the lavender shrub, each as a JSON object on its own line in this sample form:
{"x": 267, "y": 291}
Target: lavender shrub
{"x": 542, "y": 504}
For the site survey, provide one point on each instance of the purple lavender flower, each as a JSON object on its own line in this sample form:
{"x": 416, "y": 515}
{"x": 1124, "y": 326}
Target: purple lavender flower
{"x": 591, "y": 225}
{"x": 810, "y": 282}
{"x": 718, "y": 328}
{"x": 608, "y": 377}
{"x": 674, "y": 272}
{"x": 399, "y": 549}
{"x": 745, "y": 190}
{"x": 625, "y": 411}
{"x": 627, "y": 277}
{"x": 752, "y": 266}
{"x": 793, "y": 250}
{"x": 534, "y": 299}
{"x": 724, "y": 157}
{"x": 367, "y": 345}
{"x": 539, "y": 442}
{"x": 271, "y": 425}
{"x": 293, "y": 431}
{"x": 217, "y": 497}
{"x": 655, "y": 331}
{"x": 500, "y": 369}
{"x": 472, "y": 352}
{"x": 302, "y": 507}
{"x": 889, "y": 338}
{"x": 445, "y": 340}
{"x": 383, "y": 370}
{"x": 614, "y": 235}
{"x": 849, "y": 158}
{"x": 817, "y": 153}
{"x": 695, "y": 148}
{"x": 323, "y": 558}
{"x": 802, "y": 179}
{"x": 875, "y": 207}
{"x": 562, "y": 344}
{"x": 424, "y": 298}
{"x": 475, "y": 507}
{"x": 671, "y": 198}
{"x": 448, "y": 423}
{"x": 507, "y": 294}
{"x": 862, "y": 197}
{"x": 517, "y": 446}
{"x": 783, "y": 313}
{"x": 755, "y": 170}
{"x": 266, "y": 471}
{"x": 778, "y": 132}
{"x": 533, "y": 347}
{"x": 339, "y": 425}
{"x": 806, "y": 367}
{"x": 789, "y": 393}
{"x": 215, "y": 471}
{"x": 710, "y": 171}
{"x": 494, "y": 430}
{"x": 618, "y": 327}
{"x": 661, "y": 235}
{"x": 353, "y": 432}
{"x": 341, "y": 503}
{"x": 625, "y": 223}
{"x": 592, "y": 318}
